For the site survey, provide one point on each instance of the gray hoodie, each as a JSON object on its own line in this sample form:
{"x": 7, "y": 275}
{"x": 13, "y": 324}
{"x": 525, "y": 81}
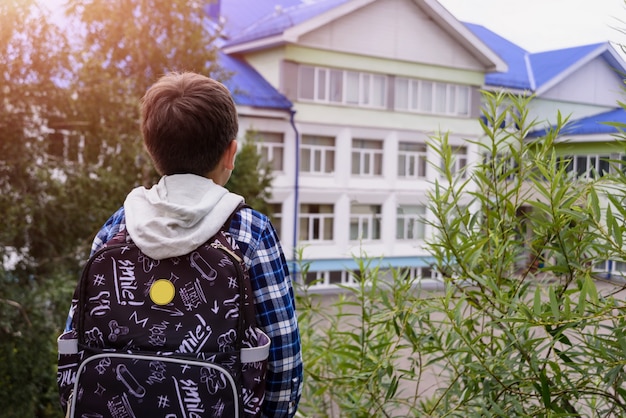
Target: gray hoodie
{"x": 177, "y": 215}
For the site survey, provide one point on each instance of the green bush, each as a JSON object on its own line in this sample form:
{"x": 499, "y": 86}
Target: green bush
{"x": 523, "y": 325}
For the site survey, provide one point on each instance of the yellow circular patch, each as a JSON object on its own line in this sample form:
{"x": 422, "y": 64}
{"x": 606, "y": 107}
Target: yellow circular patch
{"x": 162, "y": 292}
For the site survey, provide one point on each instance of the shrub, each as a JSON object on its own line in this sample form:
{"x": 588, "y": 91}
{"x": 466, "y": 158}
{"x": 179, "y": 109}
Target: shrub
{"x": 524, "y": 324}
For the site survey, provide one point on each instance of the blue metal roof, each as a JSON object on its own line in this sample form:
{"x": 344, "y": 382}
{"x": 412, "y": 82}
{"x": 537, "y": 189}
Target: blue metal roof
{"x": 611, "y": 122}
{"x": 240, "y": 15}
{"x": 248, "y": 87}
{"x": 530, "y": 71}
{"x": 547, "y": 65}
{"x": 517, "y": 76}
{"x": 281, "y": 19}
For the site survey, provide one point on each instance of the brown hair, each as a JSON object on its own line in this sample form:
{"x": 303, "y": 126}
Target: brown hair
{"x": 187, "y": 122}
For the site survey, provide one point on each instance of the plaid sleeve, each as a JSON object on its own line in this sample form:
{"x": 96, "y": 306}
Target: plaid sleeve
{"x": 115, "y": 224}
{"x": 275, "y": 307}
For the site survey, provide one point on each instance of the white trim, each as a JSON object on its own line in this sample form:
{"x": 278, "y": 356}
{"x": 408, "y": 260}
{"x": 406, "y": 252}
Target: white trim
{"x": 432, "y": 8}
{"x": 572, "y": 68}
{"x": 463, "y": 35}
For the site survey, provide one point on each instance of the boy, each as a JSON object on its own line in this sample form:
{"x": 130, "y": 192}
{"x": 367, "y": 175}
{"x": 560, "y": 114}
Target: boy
{"x": 189, "y": 125}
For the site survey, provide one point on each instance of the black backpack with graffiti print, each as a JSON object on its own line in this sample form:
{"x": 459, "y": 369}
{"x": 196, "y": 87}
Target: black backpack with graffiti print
{"x": 163, "y": 338}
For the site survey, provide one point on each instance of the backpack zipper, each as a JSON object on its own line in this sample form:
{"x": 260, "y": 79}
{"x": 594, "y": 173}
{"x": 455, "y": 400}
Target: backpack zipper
{"x": 222, "y": 247}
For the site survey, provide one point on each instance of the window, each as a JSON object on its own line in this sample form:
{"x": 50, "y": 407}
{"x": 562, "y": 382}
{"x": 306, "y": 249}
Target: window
{"x": 365, "y": 222}
{"x": 412, "y": 160}
{"x": 410, "y": 222}
{"x": 66, "y": 145}
{"x": 500, "y": 167}
{"x": 270, "y": 146}
{"x": 412, "y": 273}
{"x": 431, "y": 97}
{"x": 326, "y": 85}
{"x": 316, "y": 222}
{"x": 325, "y": 278}
{"x": 317, "y": 154}
{"x": 459, "y": 160}
{"x": 587, "y": 166}
{"x": 367, "y": 157}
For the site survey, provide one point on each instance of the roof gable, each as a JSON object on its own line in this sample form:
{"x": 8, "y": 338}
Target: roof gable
{"x": 539, "y": 72}
{"x": 550, "y": 67}
{"x": 611, "y": 122}
{"x": 289, "y": 25}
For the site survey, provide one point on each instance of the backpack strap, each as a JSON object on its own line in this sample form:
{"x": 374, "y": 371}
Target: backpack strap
{"x": 240, "y": 206}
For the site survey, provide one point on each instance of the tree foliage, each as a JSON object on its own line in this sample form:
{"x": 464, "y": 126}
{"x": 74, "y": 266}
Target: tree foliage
{"x": 70, "y": 150}
{"x": 252, "y": 177}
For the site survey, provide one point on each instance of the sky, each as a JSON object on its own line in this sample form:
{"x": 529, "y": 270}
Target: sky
{"x": 537, "y": 25}
{"x": 542, "y": 25}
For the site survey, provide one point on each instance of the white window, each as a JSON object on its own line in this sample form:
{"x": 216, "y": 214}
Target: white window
{"x": 365, "y": 222}
{"x": 327, "y": 85}
{"x": 412, "y": 160}
{"x": 459, "y": 160}
{"x": 410, "y": 222}
{"x": 335, "y": 94}
{"x": 270, "y": 145}
{"x": 326, "y": 278}
{"x": 367, "y": 157}
{"x": 587, "y": 166}
{"x": 317, "y": 154}
{"x": 316, "y": 222}
{"x": 412, "y": 273}
{"x": 431, "y": 97}
{"x": 67, "y": 146}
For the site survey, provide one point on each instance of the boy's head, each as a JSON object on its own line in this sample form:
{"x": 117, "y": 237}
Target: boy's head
{"x": 187, "y": 122}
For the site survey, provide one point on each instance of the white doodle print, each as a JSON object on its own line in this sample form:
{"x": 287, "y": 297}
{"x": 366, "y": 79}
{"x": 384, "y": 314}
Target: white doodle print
{"x": 213, "y": 379}
{"x": 225, "y": 261}
{"x": 189, "y": 398}
{"x": 134, "y": 387}
{"x": 192, "y": 295}
{"x": 100, "y": 304}
{"x": 103, "y": 365}
{"x": 94, "y": 337}
{"x": 100, "y": 390}
{"x": 164, "y": 401}
{"x": 250, "y": 401}
{"x": 157, "y": 336}
{"x": 158, "y": 370}
{"x": 234, "y": 311}
{"x": 138, "y": 321}
{"x": 199, "y": 263}
{"x": 66, "y": 375}
{"x": 196, "y": 338}
{"x": 226, "y": 341}
{"x": 169, "y": 308}
{"x": 218, "y": 409}
{"x": 116, "y": 330}
{"x": 125, "y": 282}
{"x": 119, "y": 407}
{"x": 147, "y": 263}
{"x": 99, "y": 280}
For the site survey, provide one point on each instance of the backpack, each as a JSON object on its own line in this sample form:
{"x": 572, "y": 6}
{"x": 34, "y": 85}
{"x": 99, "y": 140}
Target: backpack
{"x": 163, "y": 338}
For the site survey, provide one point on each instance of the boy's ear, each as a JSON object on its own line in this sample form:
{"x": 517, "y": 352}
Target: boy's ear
{"x": 229, "y": 155}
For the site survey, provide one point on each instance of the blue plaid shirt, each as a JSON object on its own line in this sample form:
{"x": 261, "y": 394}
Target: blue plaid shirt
{"x": 274, "y": 301}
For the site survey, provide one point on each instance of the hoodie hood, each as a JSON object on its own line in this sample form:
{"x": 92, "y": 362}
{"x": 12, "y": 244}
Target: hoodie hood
{"x": 177, "y": 215}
